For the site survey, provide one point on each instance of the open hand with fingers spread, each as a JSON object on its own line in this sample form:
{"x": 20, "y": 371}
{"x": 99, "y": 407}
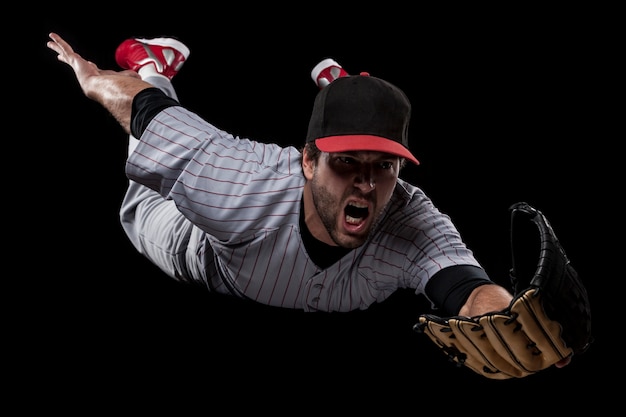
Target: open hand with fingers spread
{"x": 112, "y": 89}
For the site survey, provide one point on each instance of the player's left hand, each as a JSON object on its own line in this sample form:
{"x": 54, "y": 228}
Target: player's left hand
{"x": 547, "y": 322}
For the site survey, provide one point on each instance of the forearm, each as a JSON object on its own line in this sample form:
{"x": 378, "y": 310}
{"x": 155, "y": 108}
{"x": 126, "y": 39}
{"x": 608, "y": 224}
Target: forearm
{"x": 484, "y": 299}
{"x": 115, "y": 93}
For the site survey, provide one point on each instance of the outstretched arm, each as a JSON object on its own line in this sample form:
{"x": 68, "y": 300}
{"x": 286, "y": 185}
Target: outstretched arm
{"x": 114, "y": 90}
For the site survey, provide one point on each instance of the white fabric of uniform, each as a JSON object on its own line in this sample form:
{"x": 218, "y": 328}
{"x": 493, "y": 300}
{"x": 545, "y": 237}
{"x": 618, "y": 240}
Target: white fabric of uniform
{"x": 224, "y": 211}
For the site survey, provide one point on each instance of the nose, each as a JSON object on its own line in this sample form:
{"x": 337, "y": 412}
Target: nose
{"x": 366, "y": 181}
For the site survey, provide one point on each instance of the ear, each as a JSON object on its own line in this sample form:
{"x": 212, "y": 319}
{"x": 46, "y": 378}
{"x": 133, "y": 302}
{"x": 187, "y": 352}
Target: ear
{"x": 308, "y": 165}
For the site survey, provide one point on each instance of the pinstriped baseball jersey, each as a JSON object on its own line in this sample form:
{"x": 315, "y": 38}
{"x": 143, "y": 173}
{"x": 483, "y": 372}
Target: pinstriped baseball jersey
{"x": 243, "y": 200}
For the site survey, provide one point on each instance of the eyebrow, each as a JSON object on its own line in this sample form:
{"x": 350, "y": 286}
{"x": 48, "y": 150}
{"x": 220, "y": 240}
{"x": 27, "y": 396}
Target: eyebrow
{"x": 380, "y": 156}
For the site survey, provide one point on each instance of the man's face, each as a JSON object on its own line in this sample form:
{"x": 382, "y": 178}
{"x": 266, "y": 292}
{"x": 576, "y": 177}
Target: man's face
{"x": 350, "y": 190}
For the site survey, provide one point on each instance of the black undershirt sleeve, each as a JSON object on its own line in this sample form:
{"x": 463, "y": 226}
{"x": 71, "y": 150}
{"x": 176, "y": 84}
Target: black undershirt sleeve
{"x": 449, "y": 288}
{"x": 147, "y": 104}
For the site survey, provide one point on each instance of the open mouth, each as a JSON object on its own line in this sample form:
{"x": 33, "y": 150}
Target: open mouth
{"x": 356, "y": 213}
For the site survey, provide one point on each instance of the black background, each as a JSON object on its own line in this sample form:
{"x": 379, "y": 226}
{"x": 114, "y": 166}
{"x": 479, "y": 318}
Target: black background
{"x": 508, "y": 105}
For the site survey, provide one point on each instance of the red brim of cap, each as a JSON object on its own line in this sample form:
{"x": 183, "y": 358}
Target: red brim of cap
{"x": 352, "y": 143}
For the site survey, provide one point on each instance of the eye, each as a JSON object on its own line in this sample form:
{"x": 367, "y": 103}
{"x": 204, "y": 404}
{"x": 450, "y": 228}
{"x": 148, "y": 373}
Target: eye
{"x": 385, "y": 165}
{"x": 346, "y": 160}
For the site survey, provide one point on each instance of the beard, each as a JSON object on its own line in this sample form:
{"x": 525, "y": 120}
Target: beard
{"x": 330, "y": 209}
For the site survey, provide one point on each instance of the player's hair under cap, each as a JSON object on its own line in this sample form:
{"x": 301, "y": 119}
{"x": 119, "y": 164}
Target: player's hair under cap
{"x": 361, "y": 113}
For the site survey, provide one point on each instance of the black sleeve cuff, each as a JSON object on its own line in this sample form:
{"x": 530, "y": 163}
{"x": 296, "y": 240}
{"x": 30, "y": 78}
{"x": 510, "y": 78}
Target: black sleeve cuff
{"x": 449, "y": 288}
{"x": 147, "y": 104}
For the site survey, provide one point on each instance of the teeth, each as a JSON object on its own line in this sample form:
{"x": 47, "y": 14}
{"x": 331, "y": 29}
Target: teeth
{"x": 355, "y": 220}
{"x": 352, "y": 220}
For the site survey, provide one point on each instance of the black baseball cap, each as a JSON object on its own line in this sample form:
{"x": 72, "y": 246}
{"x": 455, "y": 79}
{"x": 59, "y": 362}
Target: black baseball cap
{"x": 361, "y": 113}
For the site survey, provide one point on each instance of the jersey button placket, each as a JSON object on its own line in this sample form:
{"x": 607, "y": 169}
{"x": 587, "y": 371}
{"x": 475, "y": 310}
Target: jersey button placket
{"x": 316, "y": 292}
{"x": 318, "y": 287}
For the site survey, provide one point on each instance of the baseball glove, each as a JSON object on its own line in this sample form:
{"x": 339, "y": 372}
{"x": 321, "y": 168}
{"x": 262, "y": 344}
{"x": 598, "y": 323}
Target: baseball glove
{"x": 548, "y": 319}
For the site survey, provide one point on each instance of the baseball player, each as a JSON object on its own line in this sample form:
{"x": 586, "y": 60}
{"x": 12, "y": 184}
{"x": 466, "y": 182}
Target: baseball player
{"x": 330, "y": 227}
